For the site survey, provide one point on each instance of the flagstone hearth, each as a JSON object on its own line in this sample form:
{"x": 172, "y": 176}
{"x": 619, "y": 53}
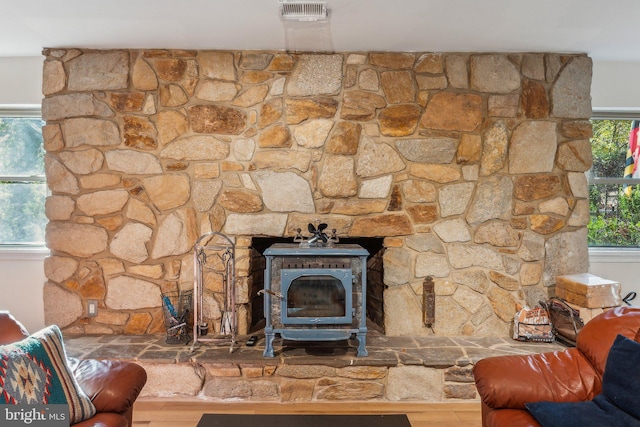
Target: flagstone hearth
{"x": 433, "y": 369}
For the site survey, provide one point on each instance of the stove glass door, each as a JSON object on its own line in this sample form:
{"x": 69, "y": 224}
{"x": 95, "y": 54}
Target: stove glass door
{"x": 316, "y": 296}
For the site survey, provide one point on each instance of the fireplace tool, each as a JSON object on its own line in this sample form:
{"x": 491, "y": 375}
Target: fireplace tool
{"x": 214, "y": 260}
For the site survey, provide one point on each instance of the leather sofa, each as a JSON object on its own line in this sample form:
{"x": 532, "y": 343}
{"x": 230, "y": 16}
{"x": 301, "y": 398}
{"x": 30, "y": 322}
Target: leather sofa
{"x": 113, "y": 386}
{"x": 506, "y": 383}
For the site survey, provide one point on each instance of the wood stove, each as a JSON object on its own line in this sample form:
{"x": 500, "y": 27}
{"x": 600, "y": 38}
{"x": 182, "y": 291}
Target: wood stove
{"x": 315, "y": 294}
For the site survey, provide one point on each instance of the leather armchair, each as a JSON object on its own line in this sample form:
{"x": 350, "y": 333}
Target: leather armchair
{"x": 506, "y": 383}
{"x": 113, "y": 386}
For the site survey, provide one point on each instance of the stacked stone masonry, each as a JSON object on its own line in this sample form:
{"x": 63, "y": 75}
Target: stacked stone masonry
{"x": 307, "y": 383}
{"x": 469, "y": 165}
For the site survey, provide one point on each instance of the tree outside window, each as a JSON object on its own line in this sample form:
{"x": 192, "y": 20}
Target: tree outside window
{"x": 23, "y": 187}
{"x": 614, "y": 199}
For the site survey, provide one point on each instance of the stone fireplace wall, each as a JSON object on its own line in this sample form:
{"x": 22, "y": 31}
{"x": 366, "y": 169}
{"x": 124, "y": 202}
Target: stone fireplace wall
{"x": 469, "y": 165}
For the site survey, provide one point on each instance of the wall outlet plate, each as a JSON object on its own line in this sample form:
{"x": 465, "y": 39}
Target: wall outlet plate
{"x": 92, "y": 308}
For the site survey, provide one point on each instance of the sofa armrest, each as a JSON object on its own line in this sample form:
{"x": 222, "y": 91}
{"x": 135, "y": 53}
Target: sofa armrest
{"x": 512, "y": 381}
{"x": 10, "y": 329}
{"x": 112, "y": 385}
{"x": 597, "y": 336}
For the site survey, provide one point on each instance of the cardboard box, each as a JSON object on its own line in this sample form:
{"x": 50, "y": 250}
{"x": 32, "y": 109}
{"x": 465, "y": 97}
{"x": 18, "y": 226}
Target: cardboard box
{"x": 588, "y": 290}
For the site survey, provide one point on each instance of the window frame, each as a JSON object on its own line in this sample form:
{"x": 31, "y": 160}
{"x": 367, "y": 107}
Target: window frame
{"x": 22, "y": 250}
{"x": 612, "y": 254}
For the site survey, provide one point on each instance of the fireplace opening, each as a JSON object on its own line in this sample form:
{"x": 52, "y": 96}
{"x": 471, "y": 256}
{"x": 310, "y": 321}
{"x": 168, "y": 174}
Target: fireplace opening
{"x": 319, "y": 295}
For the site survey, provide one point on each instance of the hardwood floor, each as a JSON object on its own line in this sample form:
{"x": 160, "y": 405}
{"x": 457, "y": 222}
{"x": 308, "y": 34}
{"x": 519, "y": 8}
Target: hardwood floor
{"x": 187, "y": 413}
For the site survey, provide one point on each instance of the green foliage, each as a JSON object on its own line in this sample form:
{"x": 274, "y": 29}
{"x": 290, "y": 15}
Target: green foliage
{"x": 594, "y": 199}
{"x": 615, "y": 217}
{"x": 609, "y": 147}
{"x": 629, "y": 209}
{"x": 22, "y": 213}
{"x": 613, "y": 232}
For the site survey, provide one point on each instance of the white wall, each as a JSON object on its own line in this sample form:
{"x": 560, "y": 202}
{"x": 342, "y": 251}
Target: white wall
{"x": 21, "y": 282}
{"x": 614, "y": 87}
{"x": 21, "y": 80}
{"x": 620, "y": 266}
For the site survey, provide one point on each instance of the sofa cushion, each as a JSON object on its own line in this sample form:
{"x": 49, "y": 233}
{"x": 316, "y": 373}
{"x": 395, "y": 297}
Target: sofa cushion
{"x": 621, "y": 380}
{"x": 617, "y": 405}
{"x": 35, "y": 371}
{"x": 592, "y": 413}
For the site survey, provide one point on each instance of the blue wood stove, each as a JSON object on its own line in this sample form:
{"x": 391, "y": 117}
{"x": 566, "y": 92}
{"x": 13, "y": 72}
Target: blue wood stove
{"x": 315, "y": 293}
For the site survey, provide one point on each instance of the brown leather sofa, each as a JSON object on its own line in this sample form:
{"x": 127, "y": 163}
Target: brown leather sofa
{"x": 113, "y": 386}
{"x": 506, "y": 383}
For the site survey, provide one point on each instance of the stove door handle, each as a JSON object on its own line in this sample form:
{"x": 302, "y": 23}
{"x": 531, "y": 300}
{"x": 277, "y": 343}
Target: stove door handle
{"x": 270, "y": 292}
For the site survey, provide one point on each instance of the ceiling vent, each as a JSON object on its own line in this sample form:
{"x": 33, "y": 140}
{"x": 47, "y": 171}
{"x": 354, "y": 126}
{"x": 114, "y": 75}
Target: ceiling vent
{"x": 304, "y": 10}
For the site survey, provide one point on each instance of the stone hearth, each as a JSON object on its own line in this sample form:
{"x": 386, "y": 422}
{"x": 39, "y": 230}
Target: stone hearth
{"x": 469, "y": 166}
{"x": 428, "y": 369}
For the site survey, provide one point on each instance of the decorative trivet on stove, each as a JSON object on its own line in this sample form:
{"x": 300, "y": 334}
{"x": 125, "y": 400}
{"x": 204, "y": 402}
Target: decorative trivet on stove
{"x": 318, "y": 237}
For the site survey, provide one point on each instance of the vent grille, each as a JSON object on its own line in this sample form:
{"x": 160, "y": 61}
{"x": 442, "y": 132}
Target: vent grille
{"x": 304, "y": 11}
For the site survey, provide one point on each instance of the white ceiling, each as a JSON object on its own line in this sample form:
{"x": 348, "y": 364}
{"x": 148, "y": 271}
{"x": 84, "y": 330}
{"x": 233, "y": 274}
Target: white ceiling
{"x": 608, "y": 30}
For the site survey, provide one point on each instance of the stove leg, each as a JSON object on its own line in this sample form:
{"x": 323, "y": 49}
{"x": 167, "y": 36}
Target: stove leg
{"x": 362, "y": 339}
{"x": 268, "y": 344}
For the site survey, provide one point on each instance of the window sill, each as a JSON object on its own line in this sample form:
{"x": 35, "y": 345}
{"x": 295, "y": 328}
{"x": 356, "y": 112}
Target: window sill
{"x": 614, "y": 255}
{"x": 23, "y": 253}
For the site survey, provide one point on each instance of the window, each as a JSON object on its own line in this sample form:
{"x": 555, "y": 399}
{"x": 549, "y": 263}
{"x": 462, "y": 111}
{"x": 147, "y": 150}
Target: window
{"x": 614, "y": 190}
{"x": 23, "y": 188}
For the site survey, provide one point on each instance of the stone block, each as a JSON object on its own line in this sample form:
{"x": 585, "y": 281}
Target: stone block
{"x": 297, "y": 390}
{"x": 306, "y": 371}
{"x": 223, "y": 370}
{"x": 459, "y": 374}
{"x": 251, "y": 371}
{"x": 589, "y": 291}
{"x": 224, "y": 388}
{"x": 414, "y": 383}
{"x": 363, "y": 372}
{"x": 459, "y": 391}
{"x": 316, "y": 75}
{"x": 262, "y": 391}
{"x": 352, "y": 390}
{"x": 165, "y": 380}
{"x": 61, "y": 307}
